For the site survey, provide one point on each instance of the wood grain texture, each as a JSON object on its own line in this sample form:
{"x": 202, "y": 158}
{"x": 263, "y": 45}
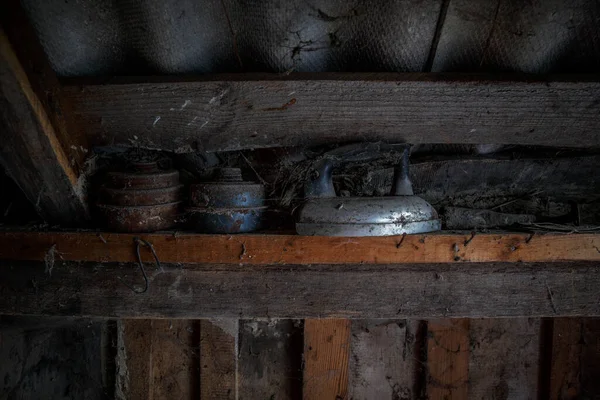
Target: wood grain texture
{"x": 31, "y": 152}
{"x": 448, "y": 350}
{"x": 303, "y": 250}
{"x": 226, "y": 113}
{"x": 384, "y": 360}
{"x": 504, "y": 358}
{"x": 158, "y": 359}
{"x": 575, "y": 358}
{"x": 326, "y": 354}
{"x": 229, "y": 291}
{"x": 219, "y": 359}
{"x": 270, "y": 359}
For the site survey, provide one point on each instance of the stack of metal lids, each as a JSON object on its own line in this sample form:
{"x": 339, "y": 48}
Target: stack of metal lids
{"x": 228, "y": 204}
{"x": 142, "y": 199}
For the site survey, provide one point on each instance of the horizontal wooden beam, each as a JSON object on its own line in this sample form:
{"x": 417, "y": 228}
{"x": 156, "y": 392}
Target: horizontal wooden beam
{"x": 421, "y": 291}
{"x": 302, "y": 250}
{"x": 220, "y": 113}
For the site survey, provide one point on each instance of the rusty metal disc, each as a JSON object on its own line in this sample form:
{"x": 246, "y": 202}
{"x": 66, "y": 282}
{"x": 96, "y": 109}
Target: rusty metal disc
{"x": 140, "y": 218}
{"x": 144, "y": 197}
{"x": 143, "y": 180}
{"x": 225, "y": 220}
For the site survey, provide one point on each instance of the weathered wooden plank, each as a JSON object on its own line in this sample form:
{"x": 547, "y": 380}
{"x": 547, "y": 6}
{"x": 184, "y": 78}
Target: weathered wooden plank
{"x": 293, "y": 291}
{"x": 219, "y": 359}
{"x": 270, "y": 359}
{"x": 448, "y": 350}
{"x": 158, "y": 359}
{"x": 58, "y": 358}
{"x": 31, "y": 152}
{"x": 504, "y": 358}
{"x": 224, "y": 113}
{"x": 326, "y": 354}
{"x": 294, "y": 249}
{"x": 575, "y": 364}
{"x": 384, "y": 360}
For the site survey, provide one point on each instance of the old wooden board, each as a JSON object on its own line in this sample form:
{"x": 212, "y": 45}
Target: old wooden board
{"x": 384, "y": 359}
{"x": 219, "y": 359}
{"x": 58, "y": 358}
{"x": 326, "y": 355}
{"x": 31, "y": 152}
{"x": 223, "y": 113}
{"x": 157, "y": 359}
{"x": 270, "y": 359}
{"x": 305, "y": 250}
{"x": 504, "y": 360}
{"x": 293, "y": 291}
{"x": 448, "y": 350}
{"x": 575, "y": 363}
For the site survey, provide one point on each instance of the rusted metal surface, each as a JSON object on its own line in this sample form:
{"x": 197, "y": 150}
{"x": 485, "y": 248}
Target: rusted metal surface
{"x": 143, "y": 180}
{"x": 140, "y": 219}
{"x": 225, "y": 220}
{"x": 226, "y": 205}
{"x": 144, "y": 199}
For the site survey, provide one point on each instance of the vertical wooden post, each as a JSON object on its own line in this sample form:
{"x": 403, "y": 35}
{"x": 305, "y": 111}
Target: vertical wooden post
{"x": 219, "y": 359}
{"x": 448, "y": 359}
{"x": 326, "y": 353}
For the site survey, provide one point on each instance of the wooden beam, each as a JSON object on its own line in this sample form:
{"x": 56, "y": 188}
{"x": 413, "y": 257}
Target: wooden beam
{"x": 326, "y": 354}
{"x": 221, "y": 113}
{"x": 302, "y": 250}
{"x": 32, "y": 152}
{"x": 505, "y": 355}
{"x": 270, "y": 359}
{"x": 448, "y": 349}
{"x": 575, "y": 365}
{"x": 385, "y": 357}
{"x": 158, "y": 359}
{"x": 294, "y": 291}
{"x": 219, "y": 359}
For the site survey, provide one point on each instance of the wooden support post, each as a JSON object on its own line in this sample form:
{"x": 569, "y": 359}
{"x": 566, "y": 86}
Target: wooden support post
{"x": 575, "y": 365}
{"x": 37, "y": 151}
{"x": 448, "y": 359}
{"x": 157, "y": 359}
{"x": 326, "y": 353}
{"x": 219, "y": 359}
{"x": 384, "y": 359}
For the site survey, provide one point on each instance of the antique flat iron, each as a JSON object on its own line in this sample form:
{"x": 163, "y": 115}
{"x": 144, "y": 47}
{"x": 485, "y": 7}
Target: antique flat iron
{"x": 402, "y": 212}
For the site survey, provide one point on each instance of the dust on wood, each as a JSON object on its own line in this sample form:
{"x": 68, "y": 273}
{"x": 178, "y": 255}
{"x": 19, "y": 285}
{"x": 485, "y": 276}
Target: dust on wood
{"x": 504, "y": 360}
{"x": 270, "y": 359}
{"x": 384, "y": 359}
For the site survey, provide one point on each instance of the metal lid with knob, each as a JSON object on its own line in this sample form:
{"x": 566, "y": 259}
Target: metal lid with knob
{"x": 324, "y": 214}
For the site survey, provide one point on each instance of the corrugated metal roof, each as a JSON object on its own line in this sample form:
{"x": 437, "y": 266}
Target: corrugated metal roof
{"x": 137, "y": 37}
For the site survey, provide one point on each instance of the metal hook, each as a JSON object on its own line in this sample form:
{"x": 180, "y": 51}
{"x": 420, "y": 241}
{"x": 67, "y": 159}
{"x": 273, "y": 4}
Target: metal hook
{"x": 138, "y": 243}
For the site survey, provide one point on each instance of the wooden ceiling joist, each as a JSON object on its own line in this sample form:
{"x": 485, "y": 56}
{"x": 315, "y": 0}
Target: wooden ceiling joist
{"x": 245, "y": 111}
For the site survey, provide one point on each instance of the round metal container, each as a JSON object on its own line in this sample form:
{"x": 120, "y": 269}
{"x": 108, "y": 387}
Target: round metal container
{"x": 145, "y": 197}
{"x": 143, "y": 180}
{"x": 222, "y": 194}
{"x": 367, "y": 216}
{"x": 226, "y": 205}
{"x": 225, "y": 220}
{"x": 140, "y": 218}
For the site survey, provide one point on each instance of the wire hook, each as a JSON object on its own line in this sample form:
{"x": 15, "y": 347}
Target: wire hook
{"x": 138, "y": 243}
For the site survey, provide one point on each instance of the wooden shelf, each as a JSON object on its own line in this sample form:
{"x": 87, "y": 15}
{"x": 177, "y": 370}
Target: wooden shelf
{"x": 252, "y": 276}
{"x": 303, "y": 250}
